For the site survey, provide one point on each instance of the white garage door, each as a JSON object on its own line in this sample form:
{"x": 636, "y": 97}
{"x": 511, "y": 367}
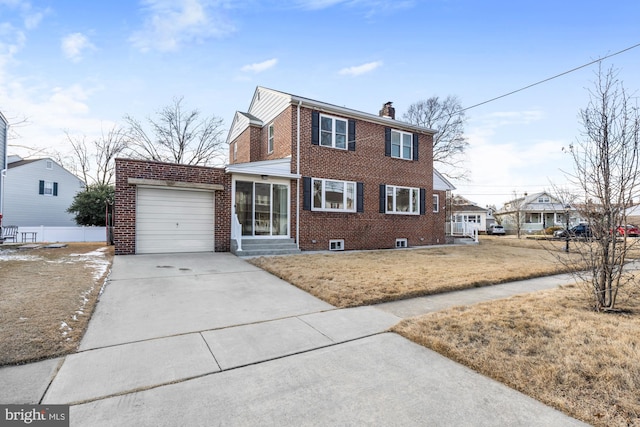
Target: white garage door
{"x": 169, "y": 220}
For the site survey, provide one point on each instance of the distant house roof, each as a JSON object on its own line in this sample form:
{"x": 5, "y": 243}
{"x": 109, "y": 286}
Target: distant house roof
{"x": 440, "y": 183}
{"x": 21, "y": 162}
{"x": 533, "y": 203}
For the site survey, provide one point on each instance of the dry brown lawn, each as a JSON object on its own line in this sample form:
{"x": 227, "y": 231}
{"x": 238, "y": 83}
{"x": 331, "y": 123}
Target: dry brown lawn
{"x": 47, "y": 297}
{"x": 550, "y": 346}
{"x": 347, "y": 279}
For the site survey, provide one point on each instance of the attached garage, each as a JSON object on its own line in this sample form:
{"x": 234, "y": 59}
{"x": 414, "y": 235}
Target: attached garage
{"x": 174, "y": 220}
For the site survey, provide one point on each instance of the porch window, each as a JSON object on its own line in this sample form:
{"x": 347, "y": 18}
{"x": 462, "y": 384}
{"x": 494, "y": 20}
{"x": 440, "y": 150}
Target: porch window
{"x": 262, "y": 208}
{"x": 533, "y": 218}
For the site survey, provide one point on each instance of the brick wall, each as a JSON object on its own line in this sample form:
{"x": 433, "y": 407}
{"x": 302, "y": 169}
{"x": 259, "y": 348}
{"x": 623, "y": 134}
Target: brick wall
{"x": 368, "y": 164}
{"x": 125, "y": 199}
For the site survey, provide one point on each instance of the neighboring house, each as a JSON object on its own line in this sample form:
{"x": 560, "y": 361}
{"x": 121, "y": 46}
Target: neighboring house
{"x": 4, "y": 136}
{"x": 535, "y": 212}
{"x": 39, "y": 192}
{"x": 320, "y": 175}
{"x": 466, "y": 211}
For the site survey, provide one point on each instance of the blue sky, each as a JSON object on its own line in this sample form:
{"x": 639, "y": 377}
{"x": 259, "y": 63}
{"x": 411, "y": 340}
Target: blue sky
{"x": 80, "y": 66}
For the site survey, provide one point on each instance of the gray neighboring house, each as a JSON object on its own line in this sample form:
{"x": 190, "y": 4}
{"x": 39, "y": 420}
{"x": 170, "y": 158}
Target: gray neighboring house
{"x": 4, "y": 136}
{"x": 537, "y": 212}
{"x": 39, "y": 192}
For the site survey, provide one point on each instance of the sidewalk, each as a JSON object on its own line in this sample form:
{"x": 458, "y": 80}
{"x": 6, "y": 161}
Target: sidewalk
{"x": 210, "y": 339}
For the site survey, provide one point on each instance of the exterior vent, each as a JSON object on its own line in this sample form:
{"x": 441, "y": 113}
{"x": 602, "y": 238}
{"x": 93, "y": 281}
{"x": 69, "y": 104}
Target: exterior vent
{"x": 401, "y": 243}
{"x": 336, "y": 245}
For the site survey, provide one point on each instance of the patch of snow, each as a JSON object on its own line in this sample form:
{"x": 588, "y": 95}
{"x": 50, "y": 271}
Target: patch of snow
{"x": 12, "y": 255}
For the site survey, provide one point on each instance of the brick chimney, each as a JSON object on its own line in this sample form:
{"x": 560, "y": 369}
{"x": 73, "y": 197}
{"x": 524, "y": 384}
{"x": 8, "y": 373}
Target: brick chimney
{"x": 388, "y": 111}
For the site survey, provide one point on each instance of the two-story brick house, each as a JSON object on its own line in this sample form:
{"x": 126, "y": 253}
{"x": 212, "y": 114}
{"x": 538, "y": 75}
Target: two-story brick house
{"x": 346, "y": 179}
{"x": 316, "y": 175}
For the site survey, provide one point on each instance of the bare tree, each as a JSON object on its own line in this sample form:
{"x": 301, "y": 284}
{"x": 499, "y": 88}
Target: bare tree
{"x": 94, "y": 162}
{"x": 606, "y": 167}
{"x": 178, "y": 136}
{"x": 512, "y": 213}
{"x": 449, "y": 144}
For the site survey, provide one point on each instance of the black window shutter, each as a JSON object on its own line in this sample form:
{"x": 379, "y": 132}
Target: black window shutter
{"x": 383, "y": 198}
{"x": 423, "y": 195}
{"x": 360, "y": 197}
{"x": 41, "y": 190}
{"x": 315, "y": 128}
{"x": 55, "y": 188}
{"x": 387, "y": 142}
{"x": 306, "y": 193}
{"x": 352, "y": 135}
{"x": 415, "y": 146}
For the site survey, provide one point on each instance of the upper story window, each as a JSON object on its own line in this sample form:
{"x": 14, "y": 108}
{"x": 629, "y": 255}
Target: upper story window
{"x": 235, "y": 151}
{"x": 544, "y": 199}
{"x": 403, "y": 200}
{"x": 436, "y": 203}
{"x": 331, "y": 195}
{"x": 49, "y": 164}
{"x": 333, "y": 132}
{"x": 270, "y": 138}
{"x": 401, "y": 145}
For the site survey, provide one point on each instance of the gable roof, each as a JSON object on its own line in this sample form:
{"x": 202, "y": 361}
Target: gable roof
{"x": 22, "y": 162}
{"x": 267, "y": 103}
{"x": 440, "y": 183}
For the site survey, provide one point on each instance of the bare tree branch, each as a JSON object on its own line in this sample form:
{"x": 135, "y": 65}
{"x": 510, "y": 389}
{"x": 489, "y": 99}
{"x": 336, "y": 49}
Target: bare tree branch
{"x": 449, "y": 144}
{"x": 179, "y": 136}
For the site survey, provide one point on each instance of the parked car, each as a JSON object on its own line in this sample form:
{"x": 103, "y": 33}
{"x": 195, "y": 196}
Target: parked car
{"x": 496, "y": 229}
{"x": 628, "y": 230}
{"x": 580, "y": 230}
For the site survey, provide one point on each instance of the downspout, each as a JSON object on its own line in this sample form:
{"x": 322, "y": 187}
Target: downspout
{"x": 298, "y": 179}
{"x": 3, "y": 172}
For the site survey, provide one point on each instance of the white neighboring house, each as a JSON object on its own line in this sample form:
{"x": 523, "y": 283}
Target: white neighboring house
{"x": 465, "y": 211}
{"x": 38, "y": 192}
{"x": 536, "y": 212}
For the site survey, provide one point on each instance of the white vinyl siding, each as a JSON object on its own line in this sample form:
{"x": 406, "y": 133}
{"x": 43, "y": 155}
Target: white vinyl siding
{"x": 169, "y": 220}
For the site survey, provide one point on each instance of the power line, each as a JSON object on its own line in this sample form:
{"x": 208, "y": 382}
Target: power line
{"x": 548, "y": 79}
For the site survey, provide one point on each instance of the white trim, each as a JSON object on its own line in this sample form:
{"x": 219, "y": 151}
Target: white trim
{"x": 334, "y": 120}
{"x": 402, "y": 243}
{"x": 395, "y": 211}
{"x": 324, "y": 208}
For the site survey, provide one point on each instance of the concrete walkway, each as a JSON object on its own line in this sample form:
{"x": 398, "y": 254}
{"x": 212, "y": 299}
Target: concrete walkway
{"x": 208, "y": 339}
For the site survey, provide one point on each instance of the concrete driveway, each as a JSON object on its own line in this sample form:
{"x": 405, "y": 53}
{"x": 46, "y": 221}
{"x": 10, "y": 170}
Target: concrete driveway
{"x": 208, "y": 339}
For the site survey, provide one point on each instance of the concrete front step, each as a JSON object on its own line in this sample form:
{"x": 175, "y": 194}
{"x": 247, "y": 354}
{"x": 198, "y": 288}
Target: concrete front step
{"x": 257, "y": 247}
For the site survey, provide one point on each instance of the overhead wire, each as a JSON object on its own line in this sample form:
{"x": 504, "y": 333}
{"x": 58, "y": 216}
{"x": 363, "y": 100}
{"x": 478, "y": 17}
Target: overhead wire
{"x": 548, "y": 79}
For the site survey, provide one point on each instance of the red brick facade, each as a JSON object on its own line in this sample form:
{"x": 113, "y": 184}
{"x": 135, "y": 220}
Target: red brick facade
{"x": 125, "y": 200}
{"x": 368, "y": 165}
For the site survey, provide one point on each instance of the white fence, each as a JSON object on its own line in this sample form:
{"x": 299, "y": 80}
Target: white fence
{"x": 44, "y": 234}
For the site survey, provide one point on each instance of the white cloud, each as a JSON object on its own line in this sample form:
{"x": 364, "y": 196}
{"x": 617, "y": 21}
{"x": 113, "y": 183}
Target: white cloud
{"x": 360, "y": 69}
{"x": 74, "y": 45}
{"x": 171, "y": 24}
{"x": 259, "y": 67}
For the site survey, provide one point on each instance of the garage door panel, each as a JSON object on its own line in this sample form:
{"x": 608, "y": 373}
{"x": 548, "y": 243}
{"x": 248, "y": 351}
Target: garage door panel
{"x": 170, "y": 220}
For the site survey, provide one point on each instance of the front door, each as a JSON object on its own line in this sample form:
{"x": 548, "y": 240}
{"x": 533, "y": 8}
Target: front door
{"x": 262, "y": 208}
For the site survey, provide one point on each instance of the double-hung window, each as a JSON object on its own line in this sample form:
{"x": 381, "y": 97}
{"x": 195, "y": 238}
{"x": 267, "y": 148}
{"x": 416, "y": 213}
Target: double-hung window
{"x": 403, "y": 200}
{"x": 48, "y": 188}
{"x": 331, "y": 195}
{"x": 333, "y": 132}
{"x": 401, "y": 145}
{"x": 436, "y": 203}
{"x": 270, "y": 138}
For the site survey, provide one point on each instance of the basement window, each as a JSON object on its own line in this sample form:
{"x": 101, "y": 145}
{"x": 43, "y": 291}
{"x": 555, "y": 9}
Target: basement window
{"x": 336, "y": 245}
{"x": 401, "y": 243}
